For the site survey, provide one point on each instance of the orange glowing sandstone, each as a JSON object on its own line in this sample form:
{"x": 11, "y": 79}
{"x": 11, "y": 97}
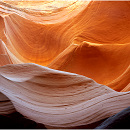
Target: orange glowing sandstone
{"x": 90, "y": 38}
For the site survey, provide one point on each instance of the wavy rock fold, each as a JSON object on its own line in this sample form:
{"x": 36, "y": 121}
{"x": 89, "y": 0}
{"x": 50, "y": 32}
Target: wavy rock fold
{"x": 64, "y": 63}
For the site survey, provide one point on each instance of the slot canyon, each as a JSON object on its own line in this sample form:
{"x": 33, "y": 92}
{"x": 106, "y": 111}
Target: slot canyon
{"x": 64, "y": 64}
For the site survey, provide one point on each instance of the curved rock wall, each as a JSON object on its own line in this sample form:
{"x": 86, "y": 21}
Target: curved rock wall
{"x": 90, "y": 39}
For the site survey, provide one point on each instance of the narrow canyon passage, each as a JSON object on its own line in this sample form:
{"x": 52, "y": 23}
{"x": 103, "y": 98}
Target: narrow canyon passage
{"x": 64, "y": 64}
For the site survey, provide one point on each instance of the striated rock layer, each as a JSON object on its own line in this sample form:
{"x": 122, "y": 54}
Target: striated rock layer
{"x": 90, "y": 38}
{"x": 39, "y": 37}
{"x": 58, "y": 98}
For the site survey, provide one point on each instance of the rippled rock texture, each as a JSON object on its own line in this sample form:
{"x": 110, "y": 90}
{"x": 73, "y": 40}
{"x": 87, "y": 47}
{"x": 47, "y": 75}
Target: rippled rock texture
{"x": 64, "y": 63}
